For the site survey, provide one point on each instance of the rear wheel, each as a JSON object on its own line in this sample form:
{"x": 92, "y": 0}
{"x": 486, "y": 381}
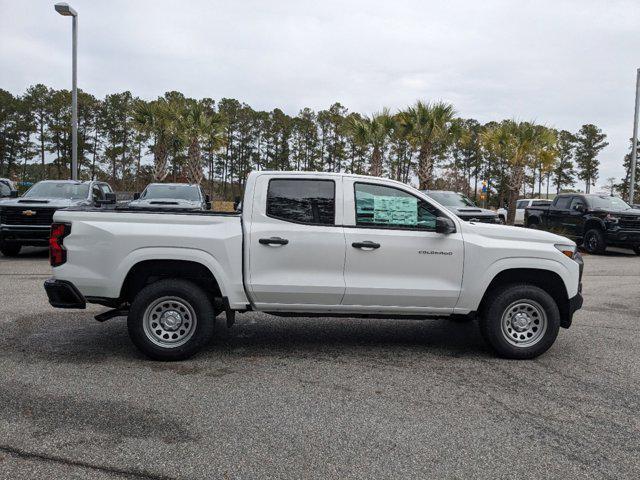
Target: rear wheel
{"x": 520, "y": 322}
{"x": 10, "y": 249}
{"x": 636, "y": 249}
{"x": 171, "y": 320}
{"x": 594, "y": 241}
{"x": 533, "y": 225}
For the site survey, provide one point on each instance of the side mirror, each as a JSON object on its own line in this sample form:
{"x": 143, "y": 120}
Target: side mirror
{"x": 207, "y": 198}
{"x": 110, "y": 198}
{"x": 579, "y": 208}
{"x": 136, "y": 195}
{"x": 445, "y": 225}
{"x": 207, "y": 205}
{"x": 13, "y": 194}
{"x": 236, "y": 203}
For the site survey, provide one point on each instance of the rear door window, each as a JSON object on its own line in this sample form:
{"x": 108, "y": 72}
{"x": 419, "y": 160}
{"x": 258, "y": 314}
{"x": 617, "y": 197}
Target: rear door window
{"x": 311, "y": 202}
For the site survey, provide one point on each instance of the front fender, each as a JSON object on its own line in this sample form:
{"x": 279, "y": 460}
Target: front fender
{"x": 473, "y": 289}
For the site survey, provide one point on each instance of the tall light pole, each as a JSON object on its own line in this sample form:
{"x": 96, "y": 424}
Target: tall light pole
{"x": 67, "y": 11}
{"x": 634, "y": 147}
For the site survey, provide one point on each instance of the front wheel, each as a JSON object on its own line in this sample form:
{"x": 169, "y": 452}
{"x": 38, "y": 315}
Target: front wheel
{"x": 10, "y": 249}
{"x": 171, "y": 320}
{"x": 521, "y": 322}
{"x": 594, "y": 241}
{"x": 636, "y": 249}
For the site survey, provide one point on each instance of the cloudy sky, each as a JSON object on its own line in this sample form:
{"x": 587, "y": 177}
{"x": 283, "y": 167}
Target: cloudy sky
{"x": 561, "y": 63}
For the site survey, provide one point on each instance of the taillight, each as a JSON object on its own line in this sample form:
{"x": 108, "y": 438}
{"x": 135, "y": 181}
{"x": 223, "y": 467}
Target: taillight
{"x": 57, "y": 252}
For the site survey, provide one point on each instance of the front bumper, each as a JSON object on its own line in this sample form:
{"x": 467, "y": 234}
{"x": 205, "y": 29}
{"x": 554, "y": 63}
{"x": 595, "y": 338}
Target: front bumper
{"x": 28, "y": 235}
{"x": 623, "y": 238}
{"x": 63, "y": 294}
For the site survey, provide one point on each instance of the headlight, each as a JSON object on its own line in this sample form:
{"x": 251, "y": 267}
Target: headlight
{"x": 568, "y": 250}
{"x": 611, "y": 218}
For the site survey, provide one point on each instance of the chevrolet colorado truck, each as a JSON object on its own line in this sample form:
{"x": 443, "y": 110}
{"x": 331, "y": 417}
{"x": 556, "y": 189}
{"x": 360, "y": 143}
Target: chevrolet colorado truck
{"x": 26, "y": 221}
{"x": 595, "y": 221}
{"x": 313, "y": 244}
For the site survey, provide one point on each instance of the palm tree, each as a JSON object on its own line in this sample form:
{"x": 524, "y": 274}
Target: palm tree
{"x": 430, "y": 128}
{"x": 199, "y": 123}
{"x": 520, "y": 145}
{"x": 157, "y": 119}
{"x": 372, "y": 132}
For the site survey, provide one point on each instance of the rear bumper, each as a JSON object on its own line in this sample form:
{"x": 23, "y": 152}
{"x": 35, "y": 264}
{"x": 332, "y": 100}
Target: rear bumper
{"x": 36, "y": 235}
{"x": 63, "y": 294}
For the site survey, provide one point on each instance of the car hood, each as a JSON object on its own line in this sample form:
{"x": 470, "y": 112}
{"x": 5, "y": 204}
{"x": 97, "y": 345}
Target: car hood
{"x": 504, "y": 232}
{"x": 635, "y": 212}
{"x": 43, "y": 202}
{"x": 472, "y": 211}
{"x": 165, "y": 203}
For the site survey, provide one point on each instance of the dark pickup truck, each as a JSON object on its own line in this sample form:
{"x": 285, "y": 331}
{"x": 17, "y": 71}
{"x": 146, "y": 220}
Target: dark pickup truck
{"x": 595, "y": 221}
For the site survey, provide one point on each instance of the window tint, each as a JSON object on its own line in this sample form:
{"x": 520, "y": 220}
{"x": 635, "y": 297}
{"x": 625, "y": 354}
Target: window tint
{"x": 575, "y": 202}
{"x": 562, "y": 203}
{"x": 388, "y": 207}
{"x": 302, "y": 201}
{"x": 96, "y": 193}
{"x": 521, "y": 204}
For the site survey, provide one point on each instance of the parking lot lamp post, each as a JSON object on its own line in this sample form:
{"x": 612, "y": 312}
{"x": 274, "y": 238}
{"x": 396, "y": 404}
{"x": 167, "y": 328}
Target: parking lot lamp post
{"x": 634, "y": 147}
{"x": 67, "y": 11}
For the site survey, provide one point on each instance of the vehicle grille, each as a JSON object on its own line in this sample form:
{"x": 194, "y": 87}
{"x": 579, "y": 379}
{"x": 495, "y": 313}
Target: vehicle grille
{"x": 632, "y": 223}
{"x": 16, "y": 216}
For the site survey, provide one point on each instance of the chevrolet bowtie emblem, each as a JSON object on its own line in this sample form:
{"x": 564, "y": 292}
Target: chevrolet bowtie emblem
{"x": 28, "y": 213}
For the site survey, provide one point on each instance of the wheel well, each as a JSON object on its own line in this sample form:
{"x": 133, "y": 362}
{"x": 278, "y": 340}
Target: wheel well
{"x": 532, "y": 219}
{"x": 547, "y": 280}
{"x": 592, "y": 223}
{"x": 150, "y": 271}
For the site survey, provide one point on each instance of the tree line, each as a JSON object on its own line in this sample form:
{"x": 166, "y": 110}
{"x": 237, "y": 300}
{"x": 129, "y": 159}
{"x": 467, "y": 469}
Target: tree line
{"x": 130, "y": 142}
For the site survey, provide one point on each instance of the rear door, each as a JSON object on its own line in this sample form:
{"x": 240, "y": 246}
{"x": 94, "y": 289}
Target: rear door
{"x": 296, "y": 242}
{"x": 395, "y": 261}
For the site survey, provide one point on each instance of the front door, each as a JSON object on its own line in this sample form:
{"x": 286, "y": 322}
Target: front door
{"x": 395, "y": 261}
{"x": 296, "y": 248}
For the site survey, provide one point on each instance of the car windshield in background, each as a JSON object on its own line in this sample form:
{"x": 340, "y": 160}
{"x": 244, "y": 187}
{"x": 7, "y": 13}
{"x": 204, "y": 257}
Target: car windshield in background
{"x": 5, "y": 191}
{"x": 606, "y": 202}
{"x": 73, "y": 191}
{"x": 450, "y": 199}
{"x": 179, "y": 192}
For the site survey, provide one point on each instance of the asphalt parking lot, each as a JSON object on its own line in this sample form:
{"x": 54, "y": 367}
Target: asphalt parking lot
{"x": 319, "y": 398}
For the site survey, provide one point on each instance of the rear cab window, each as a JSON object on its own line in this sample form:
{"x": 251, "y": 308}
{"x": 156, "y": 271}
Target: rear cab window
{"x": 305, "y": 201}
{"x": 562, "y": 203}
{"x": 381, "y": 206}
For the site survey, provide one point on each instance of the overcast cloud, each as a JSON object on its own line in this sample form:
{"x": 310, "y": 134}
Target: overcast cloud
{"x": 561, "y": 63}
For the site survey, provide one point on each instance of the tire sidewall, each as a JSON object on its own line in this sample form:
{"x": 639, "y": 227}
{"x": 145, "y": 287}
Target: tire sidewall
{"x": 600, "y": 246}
{"x": 10, "y": 250}
{"x": 186, "y": 291}
{"x": 491, "y": 328}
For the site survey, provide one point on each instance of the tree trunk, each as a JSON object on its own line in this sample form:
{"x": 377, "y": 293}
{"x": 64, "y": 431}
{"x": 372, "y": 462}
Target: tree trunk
{"x": 376, "y": 163}
{"x": 514, "y": 192}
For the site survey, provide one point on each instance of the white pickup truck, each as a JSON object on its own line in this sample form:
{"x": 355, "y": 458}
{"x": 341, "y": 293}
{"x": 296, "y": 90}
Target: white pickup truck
{"x": 310, "y": 244}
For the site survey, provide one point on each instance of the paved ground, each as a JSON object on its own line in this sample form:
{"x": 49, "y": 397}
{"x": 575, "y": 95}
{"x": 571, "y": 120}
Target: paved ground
{"x": 319, "y": 398}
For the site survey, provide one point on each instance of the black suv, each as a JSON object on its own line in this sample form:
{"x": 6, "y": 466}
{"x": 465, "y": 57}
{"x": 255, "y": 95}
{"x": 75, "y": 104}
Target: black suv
{"x": 27, "y": 220}
{"x": 596, "y": 221}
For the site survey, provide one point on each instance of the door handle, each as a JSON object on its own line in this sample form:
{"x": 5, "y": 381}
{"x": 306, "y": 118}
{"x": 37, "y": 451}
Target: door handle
{"x": 366, "y": 244}
{"x": 273, "y": 241}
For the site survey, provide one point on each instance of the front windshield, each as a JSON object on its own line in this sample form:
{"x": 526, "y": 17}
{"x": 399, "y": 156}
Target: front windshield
{"x": 450, "y": 199}
{"x": 605, "y": 202}
{"x": 73, "y": 191}
{"x": 180, "y": 192}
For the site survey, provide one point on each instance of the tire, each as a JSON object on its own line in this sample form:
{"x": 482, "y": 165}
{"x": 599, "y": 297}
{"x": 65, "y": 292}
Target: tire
{"x": 636, "y": 249}
{"x": 503, "y": 220}
{"x": 534, "y": 225}
{"x": 594, "y": 241}
{"x": 538, "y": 320}
{"x": 171, "y": 320}
{"x": 10, "y": 249}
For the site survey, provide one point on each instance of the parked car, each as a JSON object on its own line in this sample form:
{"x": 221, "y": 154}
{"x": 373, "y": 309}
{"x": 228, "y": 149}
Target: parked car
{"x": 313, "y": 244}
{"x": 463, "y": 207}
{"x": 172, "y": 196}
{"x": 520, "y": 207}
{"x": 7, "y": 188}
{"x": 596, "y": 221}
{"x": 26, "y": 221}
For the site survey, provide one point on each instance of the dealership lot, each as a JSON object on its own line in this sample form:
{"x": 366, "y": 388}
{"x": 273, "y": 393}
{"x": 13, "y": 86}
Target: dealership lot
{"x": 319, "y": 398}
